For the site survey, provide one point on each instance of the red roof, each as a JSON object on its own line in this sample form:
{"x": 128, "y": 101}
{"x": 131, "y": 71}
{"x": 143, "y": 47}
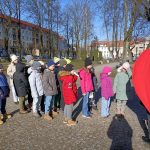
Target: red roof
{"x": 119, "y": 43}
{"x": 107, "y": 43}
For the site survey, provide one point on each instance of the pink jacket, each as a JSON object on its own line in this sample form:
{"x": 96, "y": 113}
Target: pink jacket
{"x": 85, "y": 81}
{"x": 106, "y": 83}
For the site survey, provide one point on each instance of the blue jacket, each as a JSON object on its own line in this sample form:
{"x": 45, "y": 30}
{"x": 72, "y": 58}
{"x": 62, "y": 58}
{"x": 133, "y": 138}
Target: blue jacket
{"x": 4, "y": 87}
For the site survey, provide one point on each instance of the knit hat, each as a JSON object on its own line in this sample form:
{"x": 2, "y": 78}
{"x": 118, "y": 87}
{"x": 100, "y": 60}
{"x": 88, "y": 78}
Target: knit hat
{"x": 56, "y": 60}
{"x": 50, "y": 63}
{"x": 67, "y": 60}
{"x": 1, "y": 66}
{"x": 69, "y": 67}
{"x": 88, "y": 62}
{"x": 42, "y": 63}
{"x": 13, "y": 57}
{"x": 126, "y": 65}
{"x": 36, "y": 65}
{"x": 28, "y": 58}
{"x": 107, "y": 69}
{"x": 63, "y": 62}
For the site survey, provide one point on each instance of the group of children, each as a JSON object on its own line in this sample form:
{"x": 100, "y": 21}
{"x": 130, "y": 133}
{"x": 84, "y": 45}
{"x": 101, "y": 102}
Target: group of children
{"x": 55, "y": 84}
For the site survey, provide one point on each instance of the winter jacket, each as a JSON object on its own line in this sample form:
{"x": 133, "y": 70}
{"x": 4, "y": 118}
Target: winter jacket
{"x": 106, "y": 83}
{"x": 35, "y": 81}
{"x": 4, "y": 87}
{"x": 94, "y": 79}
{"x": 10, "y": 72}
{"x": 57, "y": 71}
{"x": 86, "y": 81}
{"x": 121, "y": 82}
{"x": 69, "y": 87}
{"x": 49, "y": 83}
{"x": 20, "y": 81}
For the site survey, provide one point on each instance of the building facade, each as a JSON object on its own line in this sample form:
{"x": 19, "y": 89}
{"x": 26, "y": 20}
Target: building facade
{"x": 109, "y": 48}
{"x": 32, "y": 36}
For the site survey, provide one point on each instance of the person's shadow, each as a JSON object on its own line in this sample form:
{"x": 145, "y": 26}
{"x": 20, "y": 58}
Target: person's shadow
{"x": 79, "y": 102}
{"x": 78, "y": 108}
{"x": 136, "y": 106}
{"x": 121, "y": 134}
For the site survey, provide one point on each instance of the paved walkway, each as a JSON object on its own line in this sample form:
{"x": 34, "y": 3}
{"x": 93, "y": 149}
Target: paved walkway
{"x": 24, "y": 132}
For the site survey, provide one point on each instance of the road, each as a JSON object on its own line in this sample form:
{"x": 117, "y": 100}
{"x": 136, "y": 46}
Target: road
{"x": 24, "y": 132}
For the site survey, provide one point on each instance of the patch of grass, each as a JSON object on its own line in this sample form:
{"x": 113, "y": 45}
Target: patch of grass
{"x": 80, "y": 63}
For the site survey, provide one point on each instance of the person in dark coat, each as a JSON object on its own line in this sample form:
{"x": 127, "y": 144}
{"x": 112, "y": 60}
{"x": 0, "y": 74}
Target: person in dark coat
{"x": 58, "y": 96}
{"x": 62, "y": 67}
{"x": 21, "y": 86}
{"x": 29, "y": 61}
{"x": 4, "y": 93}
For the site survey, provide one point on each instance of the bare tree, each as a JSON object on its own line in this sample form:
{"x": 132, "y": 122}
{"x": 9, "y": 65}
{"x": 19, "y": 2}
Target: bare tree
{"x": 36, "y": 11}
{"x": 6, "y": 15}
{"x": 124, "y": 16}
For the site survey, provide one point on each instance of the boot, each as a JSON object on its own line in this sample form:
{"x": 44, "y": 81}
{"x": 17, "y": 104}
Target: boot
{"x": 1, "y": 122}
{"x": 55, "y": 113}
{"x": 7, "y": 116}
{"x": 47, "y": 117}
{"x": 23, "y": 112}
{"x": 146, "y": 139}
{"x": 65, "y": 120}
{"x": 71, "y": 123}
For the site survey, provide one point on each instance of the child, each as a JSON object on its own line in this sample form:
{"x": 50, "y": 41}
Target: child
{"x": 69, "y": 91}
{"x": 62, "y": 66}
{"x": 29, "y": 61}
{"x": 4, "y": 93}
{"x": 106, "y": 90}
{"x": 35, "y": 80}
{"x": 10, "y": 71}
{"x": 58, "y": 96}
{"x": 86, "y": 86}
{"x": 95, "y": 85}
{"x": 50, "y": 89}
{"x": 21, "y": 86}
{"x": 120, "y": 82}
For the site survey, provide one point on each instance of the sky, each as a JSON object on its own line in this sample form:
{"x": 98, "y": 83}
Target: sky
{"x": 99, "y": 30}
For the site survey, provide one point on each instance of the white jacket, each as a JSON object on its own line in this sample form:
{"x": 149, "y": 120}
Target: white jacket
{"x": 10, "y": 72}
{"x": 35, "y": 80}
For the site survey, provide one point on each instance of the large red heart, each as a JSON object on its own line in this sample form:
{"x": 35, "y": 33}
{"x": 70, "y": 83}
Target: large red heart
{"x": 141, "y": 78}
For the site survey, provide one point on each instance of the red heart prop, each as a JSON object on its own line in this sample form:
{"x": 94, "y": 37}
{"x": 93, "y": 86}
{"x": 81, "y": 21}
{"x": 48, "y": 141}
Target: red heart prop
{"x": 141, "y": 78}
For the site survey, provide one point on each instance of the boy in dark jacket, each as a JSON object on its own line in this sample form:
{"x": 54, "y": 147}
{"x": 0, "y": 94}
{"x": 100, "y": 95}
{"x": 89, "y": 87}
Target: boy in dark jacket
{"x": 21, "y": 86}
{"x": 69, "y": 91}
{"x": 50, "y": 89}
{"x": 4, "y": 93}
{"x": 58, "y": 96}
{"x": 62, "y": 67}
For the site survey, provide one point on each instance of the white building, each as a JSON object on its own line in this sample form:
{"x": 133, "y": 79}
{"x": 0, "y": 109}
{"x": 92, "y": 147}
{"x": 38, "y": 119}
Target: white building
{"x": 106, "y": 47}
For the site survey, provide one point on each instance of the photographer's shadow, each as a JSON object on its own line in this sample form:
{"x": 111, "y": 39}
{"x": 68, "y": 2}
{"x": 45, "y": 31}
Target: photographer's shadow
{"x": 121, "y": 134}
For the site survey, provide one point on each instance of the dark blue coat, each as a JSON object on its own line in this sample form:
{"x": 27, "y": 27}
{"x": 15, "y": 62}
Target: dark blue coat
{"x": 4, "y": 87}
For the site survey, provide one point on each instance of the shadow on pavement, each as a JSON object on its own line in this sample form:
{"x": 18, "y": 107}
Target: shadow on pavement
{"x": 15, "y": 111}
{"x": 121, "y": 134}
{"x": 135, "y": 105}
{"x": 78, "y": 109}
